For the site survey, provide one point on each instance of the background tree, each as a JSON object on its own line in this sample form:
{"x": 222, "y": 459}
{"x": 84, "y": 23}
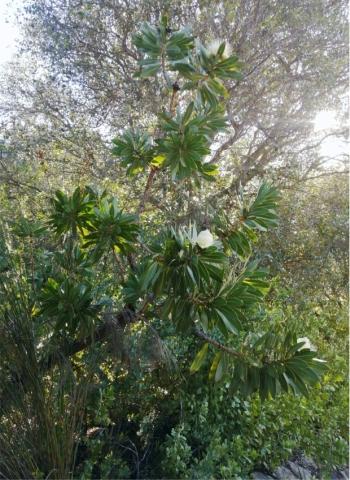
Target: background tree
{"x": 294, "y": 65}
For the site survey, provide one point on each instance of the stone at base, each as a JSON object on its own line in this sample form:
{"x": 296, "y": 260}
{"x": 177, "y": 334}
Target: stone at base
{"x": 283, "y": 473}
{"x": 261, "y": 476}
{"x": 340, "y": 475}
{"x": 299, "y": 471}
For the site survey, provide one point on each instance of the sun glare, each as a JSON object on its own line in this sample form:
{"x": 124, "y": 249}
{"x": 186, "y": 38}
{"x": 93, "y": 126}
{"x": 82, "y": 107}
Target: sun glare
{"x": 325, "y": 120}
{"x": 332, "y": 146}
{"x": 8, "y": 30}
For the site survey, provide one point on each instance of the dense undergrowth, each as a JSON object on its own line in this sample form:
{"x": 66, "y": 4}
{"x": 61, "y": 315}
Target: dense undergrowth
{"x": 177, "y": 428}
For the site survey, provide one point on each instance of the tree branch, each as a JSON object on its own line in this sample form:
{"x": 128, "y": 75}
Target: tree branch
{"x": 229, "y": 142}
{"x": 326, "y": 174}
{"x": 122, "y": 318}
{"x": 218, "y": 345}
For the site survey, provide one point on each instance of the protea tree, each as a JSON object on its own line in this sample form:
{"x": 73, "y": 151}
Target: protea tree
{"x": 194, "y": 267}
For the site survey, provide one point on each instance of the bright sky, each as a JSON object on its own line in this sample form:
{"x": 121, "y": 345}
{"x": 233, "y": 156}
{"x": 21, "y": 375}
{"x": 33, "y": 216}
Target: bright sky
{"x": 333, "y": 147}
{"x": 8, "y": 29}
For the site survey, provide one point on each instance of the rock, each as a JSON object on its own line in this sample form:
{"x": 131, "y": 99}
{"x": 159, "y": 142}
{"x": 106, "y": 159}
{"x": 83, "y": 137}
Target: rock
{"x": 340, "y": 475}
{"x": 261, "y": 476}
{"x": 308, "y": 463}
{"x": 283, "y": 473}
{"x": 299, "y": 471}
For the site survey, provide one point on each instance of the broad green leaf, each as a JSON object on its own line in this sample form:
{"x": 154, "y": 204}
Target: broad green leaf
{"x": 199, "y": 358}
{"x": 214, "y": 365}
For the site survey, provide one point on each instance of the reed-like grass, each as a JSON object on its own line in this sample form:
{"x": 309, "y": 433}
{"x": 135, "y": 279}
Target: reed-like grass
{"x": 41, "y": 411}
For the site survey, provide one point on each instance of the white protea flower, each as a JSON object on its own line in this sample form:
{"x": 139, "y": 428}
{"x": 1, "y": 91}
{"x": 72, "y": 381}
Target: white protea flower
{"x": 214, "y": 46}
{"x": 205, "y": 239}
{"x": 307, "y": 344}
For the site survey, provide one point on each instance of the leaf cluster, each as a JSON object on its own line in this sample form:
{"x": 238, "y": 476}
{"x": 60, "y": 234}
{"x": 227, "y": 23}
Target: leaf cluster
{"x": 182, "y": 143}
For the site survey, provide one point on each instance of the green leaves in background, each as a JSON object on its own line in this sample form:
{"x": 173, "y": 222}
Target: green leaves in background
{"x": 24, "y": 227}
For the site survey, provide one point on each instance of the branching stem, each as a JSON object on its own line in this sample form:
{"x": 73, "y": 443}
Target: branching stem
{"x": 199, "y": 333}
